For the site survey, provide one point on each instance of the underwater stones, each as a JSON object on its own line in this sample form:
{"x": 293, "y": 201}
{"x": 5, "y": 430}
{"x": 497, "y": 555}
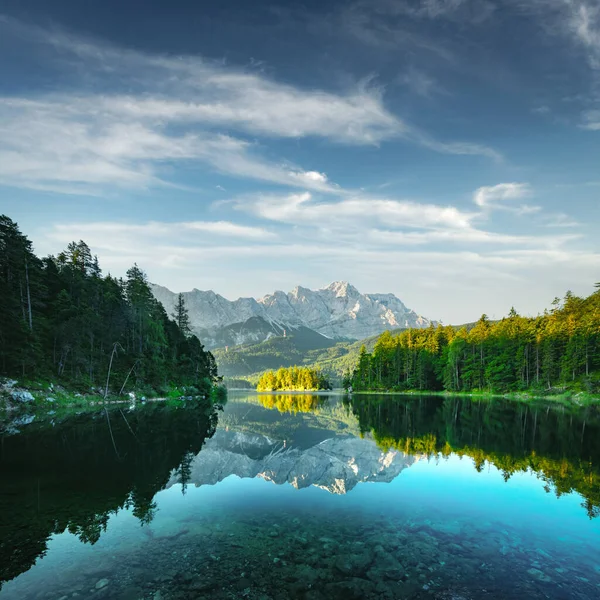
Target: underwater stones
{"x": 354, "y": 564}
{"x": 166, "y": 529}
{"x": 351, "y": 589}
{"x": 539, "y": 575}
{"x": 452, "y": 528}
{"x": 302, "y": 541}
{"x": 102, "y": 583}
{"x": 274, "y": 533}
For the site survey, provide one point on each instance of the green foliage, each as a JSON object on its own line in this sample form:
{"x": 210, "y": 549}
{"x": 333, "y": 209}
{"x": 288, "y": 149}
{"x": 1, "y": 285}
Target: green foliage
{"x": 293, "y": 379}
{"x": 62, "y": 320}
{"x": 557, "y": 351}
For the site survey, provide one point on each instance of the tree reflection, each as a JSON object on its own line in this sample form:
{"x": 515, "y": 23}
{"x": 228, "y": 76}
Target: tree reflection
{"x": 292, "y": 403}
{"x": 74, "y": 475}
{"x": 561, "y": 445}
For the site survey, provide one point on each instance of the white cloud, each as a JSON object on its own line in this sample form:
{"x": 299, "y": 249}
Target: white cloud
{"x": 301, "y": 209}
{"x": 73, "y": 145}
{"x": 576, "y": 19}
{"x": 591, "y": 120}
{"x": 106, "y": 232}
{"x": 176, "y": 110}
{"x": 560, "y": 220}
{"x": 492, "y": 197}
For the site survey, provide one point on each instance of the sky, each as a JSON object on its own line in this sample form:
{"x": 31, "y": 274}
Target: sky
{"x": 446, "y": 151}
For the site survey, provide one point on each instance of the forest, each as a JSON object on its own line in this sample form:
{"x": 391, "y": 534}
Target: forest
{"x": 63, "y": 321}
{"x": 555, "y": 352}
{"x": 293, "y": 379}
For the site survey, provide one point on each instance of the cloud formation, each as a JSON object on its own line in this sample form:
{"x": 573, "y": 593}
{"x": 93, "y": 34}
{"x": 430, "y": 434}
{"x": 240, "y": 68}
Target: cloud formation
{"x": 494, "y": 196}
{"x": 177, "y": 110}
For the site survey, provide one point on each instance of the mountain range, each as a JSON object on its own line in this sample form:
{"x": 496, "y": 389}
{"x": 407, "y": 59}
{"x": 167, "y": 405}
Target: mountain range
{"x": 336, "y": 312}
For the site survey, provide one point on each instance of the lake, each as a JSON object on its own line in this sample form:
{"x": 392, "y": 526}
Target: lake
{"x": 303, "y": 496}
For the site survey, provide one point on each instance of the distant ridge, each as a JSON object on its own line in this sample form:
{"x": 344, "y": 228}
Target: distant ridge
{"x": 338, "y": 311}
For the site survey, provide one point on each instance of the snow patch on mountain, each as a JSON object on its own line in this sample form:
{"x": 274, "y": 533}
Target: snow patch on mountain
{"x": 338, "y": 311}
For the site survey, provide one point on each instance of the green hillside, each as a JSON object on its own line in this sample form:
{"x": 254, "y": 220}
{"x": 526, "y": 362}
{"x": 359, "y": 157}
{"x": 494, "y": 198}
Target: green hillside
{"x": 303, "y": 347}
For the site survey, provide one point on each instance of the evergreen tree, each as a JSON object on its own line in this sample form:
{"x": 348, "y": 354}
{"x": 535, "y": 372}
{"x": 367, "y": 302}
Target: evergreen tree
{"x": 60, "y": 319}
{"x": 556, "y": 351}
{"x": 181, "y": 315}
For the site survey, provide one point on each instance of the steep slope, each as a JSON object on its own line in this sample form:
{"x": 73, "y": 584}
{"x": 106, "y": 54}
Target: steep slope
{"x": 338, "y": 311}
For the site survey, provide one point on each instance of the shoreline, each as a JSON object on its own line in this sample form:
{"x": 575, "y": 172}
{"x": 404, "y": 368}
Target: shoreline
{"x": 573, "y": 398}
{"x": 568, "y": 398}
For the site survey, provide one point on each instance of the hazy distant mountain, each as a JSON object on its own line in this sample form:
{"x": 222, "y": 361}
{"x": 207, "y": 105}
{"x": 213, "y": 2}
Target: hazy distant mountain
{"x": 338, "y": 311}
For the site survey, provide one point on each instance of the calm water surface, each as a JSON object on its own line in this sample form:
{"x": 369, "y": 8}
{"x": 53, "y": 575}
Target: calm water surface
{"x": 302, "y": 496}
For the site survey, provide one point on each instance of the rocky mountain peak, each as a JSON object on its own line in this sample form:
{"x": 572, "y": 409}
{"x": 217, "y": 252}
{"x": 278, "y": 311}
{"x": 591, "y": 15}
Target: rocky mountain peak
{"x": 338, "y": 311}
{"x": 342, "y": 289}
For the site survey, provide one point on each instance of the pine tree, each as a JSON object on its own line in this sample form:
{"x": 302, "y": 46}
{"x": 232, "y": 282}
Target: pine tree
{"x": 181, "y": 315}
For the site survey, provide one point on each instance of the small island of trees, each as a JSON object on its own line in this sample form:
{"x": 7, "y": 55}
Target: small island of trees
{"x": 293, "y": 379}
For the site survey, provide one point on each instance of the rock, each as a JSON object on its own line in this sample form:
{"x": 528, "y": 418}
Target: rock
{"x": 274, "y": 533}
{"x": 50, "y": 399}
{"x": 354, "y": 564}
{"x": 539, "y": 575}
{"x": 22, "y": 396}
{"x": 157, "y": 596}
{"x": 352, "y": 589}
{"x": 101, "y": 583}
{"x": 451, "y": 528}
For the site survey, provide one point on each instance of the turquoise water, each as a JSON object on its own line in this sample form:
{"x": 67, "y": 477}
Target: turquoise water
{"x": 357, "y": 498}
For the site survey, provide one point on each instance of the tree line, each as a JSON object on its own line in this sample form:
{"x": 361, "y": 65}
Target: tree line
{"x": 293, "y": 379}
{"x": 555, "y": 351}
{"x": 62, "y": 320}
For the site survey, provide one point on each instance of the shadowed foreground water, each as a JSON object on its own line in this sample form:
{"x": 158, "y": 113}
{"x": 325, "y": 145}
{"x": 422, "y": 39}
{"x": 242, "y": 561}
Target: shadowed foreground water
{"x": 301, "y": 496}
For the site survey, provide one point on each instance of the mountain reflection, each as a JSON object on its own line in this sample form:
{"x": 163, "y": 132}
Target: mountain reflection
{"x": 560, "y": 445}
{"x": 73, "y": 474}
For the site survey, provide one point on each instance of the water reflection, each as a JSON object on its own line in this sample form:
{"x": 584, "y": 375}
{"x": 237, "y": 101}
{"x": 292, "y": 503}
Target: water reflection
{"x": 561, "y": 445}
{"x": 281, "y": 501}
{"x": 73, "y": 474}
{"x": 293, "y": 403}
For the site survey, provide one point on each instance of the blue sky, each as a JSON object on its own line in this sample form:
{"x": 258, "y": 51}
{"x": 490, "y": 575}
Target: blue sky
{"x": 443, "y": 150}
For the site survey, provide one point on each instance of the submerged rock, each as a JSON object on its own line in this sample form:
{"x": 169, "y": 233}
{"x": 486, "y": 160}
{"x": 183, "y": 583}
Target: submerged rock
{"x": 102, "y": 583}
{"x": 539, "y": 575}
{"x": 354, "y": 564}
